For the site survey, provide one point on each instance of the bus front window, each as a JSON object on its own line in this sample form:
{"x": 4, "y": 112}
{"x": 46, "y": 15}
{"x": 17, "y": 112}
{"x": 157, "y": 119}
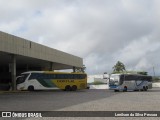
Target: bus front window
{"x": 114, "y": 80}
{"x": 21, "y": 79}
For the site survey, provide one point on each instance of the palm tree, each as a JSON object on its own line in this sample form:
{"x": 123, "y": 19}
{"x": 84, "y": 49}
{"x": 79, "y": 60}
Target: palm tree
{"x": 81, "y": 69}
{"x": 119, "y": 67}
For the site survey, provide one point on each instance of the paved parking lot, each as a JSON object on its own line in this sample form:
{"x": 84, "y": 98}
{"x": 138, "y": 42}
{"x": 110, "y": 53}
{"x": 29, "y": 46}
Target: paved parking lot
{"x": 122, "y": 101}
{"x": 89, "y": 100}
{"x": 83, "y": 100}
{"x": 50, "y": 100}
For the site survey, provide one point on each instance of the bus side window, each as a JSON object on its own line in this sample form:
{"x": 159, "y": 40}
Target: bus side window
{"x": 53, "y": 76}
{"x": 76, "y": 76}
{"x": 31, "y": 77}
{"x": 149, "y": 79}
{"x": 81, "y": 76}
{"x": 65, "y": 76}
{"x": 34, "y": 76}
{"x": 71, "y": 76}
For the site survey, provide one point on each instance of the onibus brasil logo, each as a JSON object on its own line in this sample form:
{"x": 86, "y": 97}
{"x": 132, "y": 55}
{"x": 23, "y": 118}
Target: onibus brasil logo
{"x": 21, "y": 114}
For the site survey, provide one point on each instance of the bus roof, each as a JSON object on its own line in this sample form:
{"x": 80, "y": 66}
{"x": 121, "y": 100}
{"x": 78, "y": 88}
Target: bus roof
{"x": 51, "y": 72}
{"x": 127, "y": 74}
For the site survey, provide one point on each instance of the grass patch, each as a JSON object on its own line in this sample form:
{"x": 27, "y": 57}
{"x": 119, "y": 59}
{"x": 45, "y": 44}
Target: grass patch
{"x": 155, "y": 79}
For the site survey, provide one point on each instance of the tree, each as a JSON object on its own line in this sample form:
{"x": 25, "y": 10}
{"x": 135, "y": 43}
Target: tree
{"x": 81, "y": 69}
{"x": 119, "y": 67}
{"x": 142, "y": 73}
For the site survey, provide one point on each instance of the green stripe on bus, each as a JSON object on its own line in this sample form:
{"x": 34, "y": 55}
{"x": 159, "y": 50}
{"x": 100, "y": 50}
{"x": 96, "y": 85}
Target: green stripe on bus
{"x": 50, "y": 83}
{"x": 46, "y": 82}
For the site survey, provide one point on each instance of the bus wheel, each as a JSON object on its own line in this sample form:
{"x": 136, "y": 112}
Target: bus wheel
{"x": 67, "y": 88}
{"x": 116, "y": 90}
{"x": 74, "y": 88}
{"x": 125, "y": 89}
{"x": 144, "y": 88}
{"x": 30, "y": 88}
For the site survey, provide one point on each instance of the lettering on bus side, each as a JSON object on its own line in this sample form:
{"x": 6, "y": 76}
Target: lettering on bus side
{"x": 65, "y": 80}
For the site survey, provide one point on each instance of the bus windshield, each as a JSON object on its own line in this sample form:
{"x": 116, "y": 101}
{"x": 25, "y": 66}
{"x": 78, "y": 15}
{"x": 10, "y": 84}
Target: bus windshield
{"x": 114, "y": 79}
{"x": 22, "y": 78}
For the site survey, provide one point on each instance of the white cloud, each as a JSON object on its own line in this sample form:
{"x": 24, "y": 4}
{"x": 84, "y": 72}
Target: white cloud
{"x": 100, "y": 31}
{"x": 143, "y": 65}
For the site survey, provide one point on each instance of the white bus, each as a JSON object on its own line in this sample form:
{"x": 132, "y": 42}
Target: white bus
{"x": 129, "y": 82}
{"x": 47, "y": 80}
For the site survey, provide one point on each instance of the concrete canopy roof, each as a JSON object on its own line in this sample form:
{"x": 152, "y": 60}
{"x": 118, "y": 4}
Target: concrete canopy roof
{"x": 34, "y": 54}
{"x": 23, "y": 61}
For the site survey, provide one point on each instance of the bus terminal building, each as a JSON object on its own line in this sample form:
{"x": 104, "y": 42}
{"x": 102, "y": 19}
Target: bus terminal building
{"x": 19, "y": 55}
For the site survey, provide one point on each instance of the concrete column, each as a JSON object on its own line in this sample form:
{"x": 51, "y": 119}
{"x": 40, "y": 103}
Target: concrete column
{"x": 51, "y": 66}
{"x": 74, "y": 69}
{"x": 27, "y": 67}
{"x": 13, "y": 72}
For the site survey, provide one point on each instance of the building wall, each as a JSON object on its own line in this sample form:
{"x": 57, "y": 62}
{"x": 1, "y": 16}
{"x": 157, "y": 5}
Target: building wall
{"x": 20, "y": 46}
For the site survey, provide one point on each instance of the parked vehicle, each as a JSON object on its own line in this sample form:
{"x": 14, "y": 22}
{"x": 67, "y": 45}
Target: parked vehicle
{"x": 129, "y": 82}
{"x": 45, "y": 80}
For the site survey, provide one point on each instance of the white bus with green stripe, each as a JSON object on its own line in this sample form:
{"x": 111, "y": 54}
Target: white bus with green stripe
{"x": 48, "y": 80}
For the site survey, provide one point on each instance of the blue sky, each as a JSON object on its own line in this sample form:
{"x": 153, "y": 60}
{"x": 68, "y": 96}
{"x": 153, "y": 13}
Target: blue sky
{"x": 102, "y": 32}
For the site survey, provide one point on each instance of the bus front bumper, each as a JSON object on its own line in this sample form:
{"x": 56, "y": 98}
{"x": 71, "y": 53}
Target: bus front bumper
{"x": 113, "y": 87}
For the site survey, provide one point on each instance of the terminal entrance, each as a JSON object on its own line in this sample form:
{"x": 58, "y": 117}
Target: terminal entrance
{"x": 12, "y": 66}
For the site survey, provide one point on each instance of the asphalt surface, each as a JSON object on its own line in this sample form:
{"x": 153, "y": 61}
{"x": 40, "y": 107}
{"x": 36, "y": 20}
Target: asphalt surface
{"x": 82, "y": 100}
{"x": 50, "y": 100}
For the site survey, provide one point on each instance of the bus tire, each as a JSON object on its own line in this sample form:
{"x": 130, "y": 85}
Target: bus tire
{"x": 68, "y": 88}
{"x": 74, "y": 88}
{"x": 125, "y": 89}
{"x": 30, "y": 88}
{"x": 144, "y": 88}
{"x": 116, "y": 90}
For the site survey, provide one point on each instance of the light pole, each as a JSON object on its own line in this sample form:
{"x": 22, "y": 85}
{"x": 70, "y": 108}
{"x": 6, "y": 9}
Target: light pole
{"x": 153, "y": 71}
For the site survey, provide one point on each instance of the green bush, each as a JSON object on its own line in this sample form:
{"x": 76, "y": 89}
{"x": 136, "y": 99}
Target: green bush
{"x": 156, "y": 79}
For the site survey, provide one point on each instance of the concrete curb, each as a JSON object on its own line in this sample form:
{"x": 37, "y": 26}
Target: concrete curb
{"x": 13, "y": 91}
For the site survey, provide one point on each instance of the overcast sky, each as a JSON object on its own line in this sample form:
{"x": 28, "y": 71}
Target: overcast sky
{"x": 102, "y": 32}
